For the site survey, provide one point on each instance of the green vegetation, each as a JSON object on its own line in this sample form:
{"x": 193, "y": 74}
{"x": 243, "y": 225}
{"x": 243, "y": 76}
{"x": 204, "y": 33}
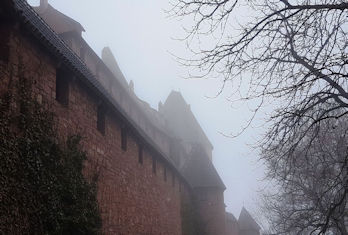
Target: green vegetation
{"x": 42, "y": 188}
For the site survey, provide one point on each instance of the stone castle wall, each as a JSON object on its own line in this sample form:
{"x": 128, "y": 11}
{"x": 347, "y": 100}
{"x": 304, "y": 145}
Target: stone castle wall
{"x": 133, "y": 198}
{"x": 211, "y": 203}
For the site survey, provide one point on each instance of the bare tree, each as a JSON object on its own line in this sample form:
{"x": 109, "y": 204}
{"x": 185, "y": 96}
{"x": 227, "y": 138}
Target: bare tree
{"x": 312, "y": 195}
{"x": 293, "y": 52}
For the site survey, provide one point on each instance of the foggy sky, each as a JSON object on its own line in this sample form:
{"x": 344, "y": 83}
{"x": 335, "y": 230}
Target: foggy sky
{"x": 140, "y": 35}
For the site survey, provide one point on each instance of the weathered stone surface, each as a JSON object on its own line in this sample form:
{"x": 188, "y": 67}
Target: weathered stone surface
{"x": 132, "y": 199}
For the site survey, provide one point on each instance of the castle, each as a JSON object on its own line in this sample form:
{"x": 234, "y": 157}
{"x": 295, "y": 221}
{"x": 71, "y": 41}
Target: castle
{"x": 151, "y": 163}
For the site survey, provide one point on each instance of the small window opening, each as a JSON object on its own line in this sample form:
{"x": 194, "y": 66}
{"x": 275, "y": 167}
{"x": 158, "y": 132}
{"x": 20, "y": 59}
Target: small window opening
{"x": 123, "y": 139}
{"x": 154, "y": 165}
{"x": 165, "y": 173}
{"x": 101, "y": 119}
{"x": 140, "y": 154}
{"x": 62, "y": 87}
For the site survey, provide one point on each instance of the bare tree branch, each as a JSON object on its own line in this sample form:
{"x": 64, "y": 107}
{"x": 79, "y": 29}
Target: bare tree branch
{"x": 293, "y": 54}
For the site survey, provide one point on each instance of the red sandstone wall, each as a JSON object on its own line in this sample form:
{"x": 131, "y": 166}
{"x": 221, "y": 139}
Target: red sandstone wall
{"x": 232, "y": 228}
{"x": 132, "y": 199}
{"x": 211, "y": 207}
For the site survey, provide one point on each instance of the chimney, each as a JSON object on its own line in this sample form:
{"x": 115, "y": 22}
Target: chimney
{"x": 43, "y": 4}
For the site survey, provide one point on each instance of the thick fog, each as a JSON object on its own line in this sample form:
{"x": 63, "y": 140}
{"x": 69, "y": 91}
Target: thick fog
{"x": 141, "y": 36}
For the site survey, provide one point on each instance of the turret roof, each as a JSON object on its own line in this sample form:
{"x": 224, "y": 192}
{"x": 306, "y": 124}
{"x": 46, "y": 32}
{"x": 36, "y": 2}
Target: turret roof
{"x": 246, "y": 221}
{"x": 200, "y": 171}
{"x": 185, "y": 124}
{"x": 58, "y": 21}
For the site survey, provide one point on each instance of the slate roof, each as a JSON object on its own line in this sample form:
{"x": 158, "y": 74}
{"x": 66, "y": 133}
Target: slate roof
{"x": 200, "y": 172}
{"x": 182, "y": 121}
{"x": 246, "y": 221}
{"x": 230, "y": 217}
{"x": 110, "y": 61}
{"x": 62, "y": 23}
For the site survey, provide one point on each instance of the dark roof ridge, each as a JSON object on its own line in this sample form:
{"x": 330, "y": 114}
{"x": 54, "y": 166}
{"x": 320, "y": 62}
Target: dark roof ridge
{"x": 178, "y": 94}
{"x": 246, "y": 221}
{"x": 109, "y": 60}
{"x": 231, "y": 217}
{"x": 200, "y": 171}
{"x": 49, "y": 7}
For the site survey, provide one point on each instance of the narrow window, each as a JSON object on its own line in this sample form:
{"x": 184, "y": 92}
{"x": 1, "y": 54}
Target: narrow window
{"x": 140, "y": 154}
{"x": 165, "y": 173}
{"x": 101, "y": 119}
{"x": 154, "y": 165}
{"x": 123, "y": 139}
{"x": 62, "y": 87}
{"x": 173, "y": 179}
